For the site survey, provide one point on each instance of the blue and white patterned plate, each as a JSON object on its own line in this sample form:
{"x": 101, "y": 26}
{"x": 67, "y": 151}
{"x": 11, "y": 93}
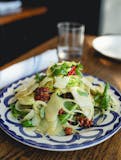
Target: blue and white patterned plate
{"x": 110, "y": 124}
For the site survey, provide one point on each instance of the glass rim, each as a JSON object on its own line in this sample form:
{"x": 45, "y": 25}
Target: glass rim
{"x": 70, "y": 25}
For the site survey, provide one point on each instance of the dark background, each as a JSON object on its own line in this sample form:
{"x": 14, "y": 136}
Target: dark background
{"x": 18, "y": 37}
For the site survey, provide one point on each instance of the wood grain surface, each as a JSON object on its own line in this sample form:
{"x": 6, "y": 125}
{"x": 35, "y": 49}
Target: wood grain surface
{"x": 94, "y": 64}
{"x": 24, "y": 13}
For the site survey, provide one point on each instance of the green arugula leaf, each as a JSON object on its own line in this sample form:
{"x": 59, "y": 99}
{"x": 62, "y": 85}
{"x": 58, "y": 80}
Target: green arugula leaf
{"x": 78, "y": 72}
{"x": 39, "y": 77}
{"x": 69, "y": 105}
{"x": 15, "y": 112}
{"x": 60, "y": 71}
{"x": 27, "y": 123}
{"x": 80, "y": 66}
{"x": 105, "y": 97}
{"x": 65, "y": 67}
{"x": 64, "y": 118}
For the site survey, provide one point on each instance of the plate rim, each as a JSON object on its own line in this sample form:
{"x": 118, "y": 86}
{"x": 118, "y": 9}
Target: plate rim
{"x": 92, "y": 143}
{"x": 101, "y": 52}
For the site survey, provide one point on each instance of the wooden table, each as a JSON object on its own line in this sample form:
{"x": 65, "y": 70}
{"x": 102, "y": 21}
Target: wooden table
{"x": 94, "y": 64}
{"x": 22, "y": 14}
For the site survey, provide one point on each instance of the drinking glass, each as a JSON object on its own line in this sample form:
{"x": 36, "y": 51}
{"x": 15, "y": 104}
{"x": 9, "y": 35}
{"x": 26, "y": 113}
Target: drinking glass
{"x": 70, "y": 40}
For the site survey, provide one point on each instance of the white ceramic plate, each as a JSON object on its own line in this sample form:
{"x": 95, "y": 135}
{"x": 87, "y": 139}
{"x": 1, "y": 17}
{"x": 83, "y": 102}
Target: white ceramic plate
{"x": 109, "y": 46}
{"x": 110, "y": 124}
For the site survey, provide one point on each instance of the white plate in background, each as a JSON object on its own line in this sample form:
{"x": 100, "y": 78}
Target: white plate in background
{"x": 108, "y": 45}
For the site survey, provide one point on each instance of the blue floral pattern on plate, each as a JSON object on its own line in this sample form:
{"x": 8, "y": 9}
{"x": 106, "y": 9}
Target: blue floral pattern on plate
{"x": 110, "y": 124}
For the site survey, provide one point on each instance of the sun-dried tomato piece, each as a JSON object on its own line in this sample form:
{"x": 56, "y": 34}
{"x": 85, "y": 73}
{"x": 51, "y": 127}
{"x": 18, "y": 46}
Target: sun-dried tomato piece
{"x": 42, "y": 94}
{"x": 83, "y": 121}
{"x": 68, "y": 131}
{"x": 72, "y": 71}
{"x": 61, "y": 111}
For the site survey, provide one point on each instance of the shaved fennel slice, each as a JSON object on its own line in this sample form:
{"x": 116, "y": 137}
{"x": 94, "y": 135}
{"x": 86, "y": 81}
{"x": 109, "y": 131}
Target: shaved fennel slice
{"x": 52, "y": 125}
{"x": 88, "y": 81}
{"x": 61, "y": 82}
{"x": 24, "y": 108}
{"x": 27, "y": 91}
{"x": 27, "y": 100}
{"x": 25, "y": 84}
{"x": 29, "y": 116}
{"x": 36, "y": 120}
{"x": 84, "y": 102}
{"x": 45, "y": 81}
{"x": 54, "y": 104}
{"x": 37, "y": 105}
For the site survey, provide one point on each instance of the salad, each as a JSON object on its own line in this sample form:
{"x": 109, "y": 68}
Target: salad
{"x": 62, "y": 100}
